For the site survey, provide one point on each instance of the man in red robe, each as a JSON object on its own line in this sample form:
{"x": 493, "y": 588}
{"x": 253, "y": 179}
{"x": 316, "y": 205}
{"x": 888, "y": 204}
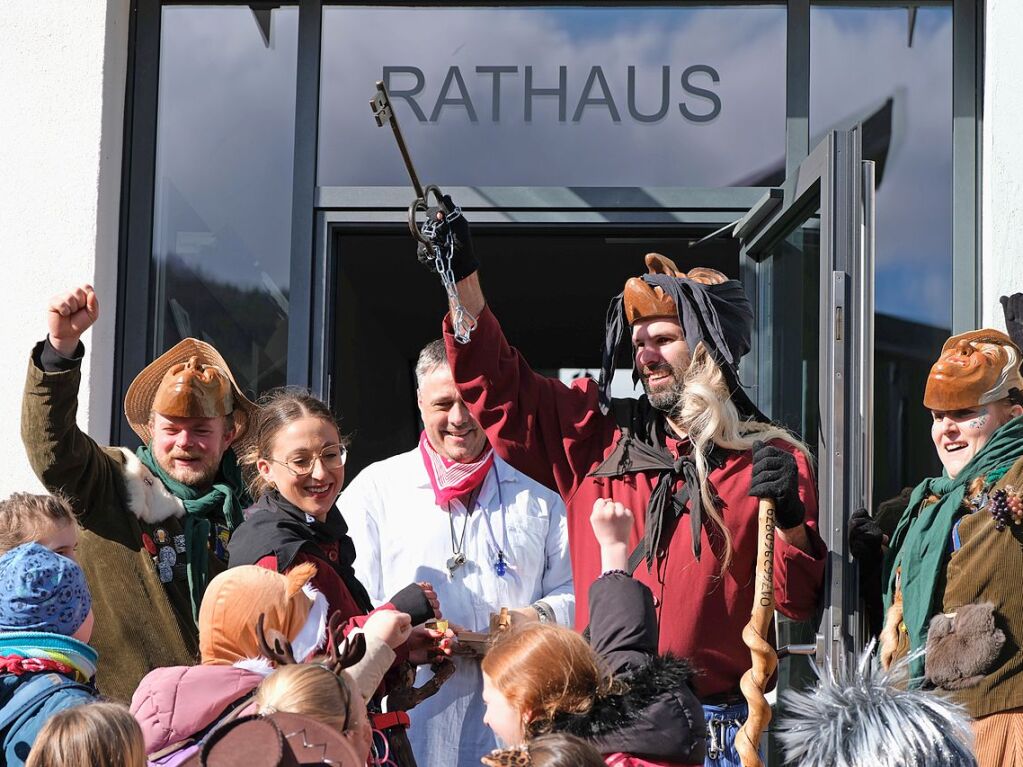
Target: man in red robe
{"x": 690, "y": 458}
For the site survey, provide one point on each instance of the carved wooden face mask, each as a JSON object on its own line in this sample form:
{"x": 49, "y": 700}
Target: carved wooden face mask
{"x": 644, "y": 302}
{"x": 194, "y": 390}
{"x": 974, "y": 368}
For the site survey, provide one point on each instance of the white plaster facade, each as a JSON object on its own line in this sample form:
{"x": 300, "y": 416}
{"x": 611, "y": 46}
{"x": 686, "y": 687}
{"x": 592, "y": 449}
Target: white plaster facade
{"x": 63, "y": 66}
{"x": 1002, "y": 196}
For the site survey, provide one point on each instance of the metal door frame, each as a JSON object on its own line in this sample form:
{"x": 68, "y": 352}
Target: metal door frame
{"x": 344, "y": 210}
{"x": 837, "y": 182}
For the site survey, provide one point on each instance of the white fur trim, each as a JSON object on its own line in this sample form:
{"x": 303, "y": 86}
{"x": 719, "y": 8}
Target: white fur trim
{"x": 313, "y": 634}
{"x": 260, "y": 666}
{"x": 148, "y": 499}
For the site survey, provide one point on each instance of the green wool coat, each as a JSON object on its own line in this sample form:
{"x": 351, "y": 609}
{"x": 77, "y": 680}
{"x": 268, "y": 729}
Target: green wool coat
{"x": 131, "y": 523}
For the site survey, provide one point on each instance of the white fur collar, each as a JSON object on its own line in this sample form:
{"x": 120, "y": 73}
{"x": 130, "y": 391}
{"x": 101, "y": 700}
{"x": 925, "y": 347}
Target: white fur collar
{"x": 311, "y": 637}
{"x": 260, "y": 666}
{"x": 313, "y": 634}
{"x": 147, "y": 498}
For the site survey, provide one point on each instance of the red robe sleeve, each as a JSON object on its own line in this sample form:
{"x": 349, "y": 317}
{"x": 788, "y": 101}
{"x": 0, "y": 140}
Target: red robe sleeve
{"x": 549, "y": 431}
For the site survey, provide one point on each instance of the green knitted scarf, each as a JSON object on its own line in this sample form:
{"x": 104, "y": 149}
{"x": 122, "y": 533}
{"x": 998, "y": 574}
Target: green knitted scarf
{"x": 921, "y": 544}
{"x": 227, "y": 496}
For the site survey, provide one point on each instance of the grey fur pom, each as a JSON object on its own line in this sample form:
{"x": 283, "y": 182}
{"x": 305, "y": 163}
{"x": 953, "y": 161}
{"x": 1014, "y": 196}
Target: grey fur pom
{"x": 962, "y": 648}
{"x": 867, "y": 717}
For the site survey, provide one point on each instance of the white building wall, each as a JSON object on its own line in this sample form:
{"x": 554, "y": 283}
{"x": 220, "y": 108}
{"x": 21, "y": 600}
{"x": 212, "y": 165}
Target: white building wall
{"x": 1002, "y": 201}
{"x": 62, "y": 75}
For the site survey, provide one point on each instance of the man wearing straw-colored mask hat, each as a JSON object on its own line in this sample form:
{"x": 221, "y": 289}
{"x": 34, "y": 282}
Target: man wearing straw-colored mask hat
{"x": 156, "y": 520}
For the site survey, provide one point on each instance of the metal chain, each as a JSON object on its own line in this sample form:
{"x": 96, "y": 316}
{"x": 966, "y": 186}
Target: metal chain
{"x": 443, "y": 254}
{"x": 717, "y": 734}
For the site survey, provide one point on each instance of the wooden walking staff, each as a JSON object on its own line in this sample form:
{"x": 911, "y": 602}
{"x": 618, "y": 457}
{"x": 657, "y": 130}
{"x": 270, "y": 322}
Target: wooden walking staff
{"x": 765, "y": 659}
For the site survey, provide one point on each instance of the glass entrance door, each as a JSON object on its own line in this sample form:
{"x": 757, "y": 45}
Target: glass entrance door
{"x": 808, "y": 247}
{"x": 804, "y": 251}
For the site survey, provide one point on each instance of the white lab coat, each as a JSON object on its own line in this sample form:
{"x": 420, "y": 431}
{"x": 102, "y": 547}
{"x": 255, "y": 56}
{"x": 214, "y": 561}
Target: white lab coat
{"x": 402, "y": 536}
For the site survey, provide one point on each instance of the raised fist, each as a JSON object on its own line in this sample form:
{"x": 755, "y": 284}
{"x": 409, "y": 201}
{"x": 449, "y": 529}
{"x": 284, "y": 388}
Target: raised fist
{"x": 68, "y": 315}
{"x": 611, "y": 522}
{"x": 464, "y": 260}
{"x": 389, "y": 626}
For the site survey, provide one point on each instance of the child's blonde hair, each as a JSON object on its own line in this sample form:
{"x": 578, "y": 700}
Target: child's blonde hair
{"x": 91, "y": 735}
{"x": 24, "y": 517}
{"x": 311, "y": 690}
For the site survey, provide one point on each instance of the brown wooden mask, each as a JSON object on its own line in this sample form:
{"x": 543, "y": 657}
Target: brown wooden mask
{"x": 974, "y": 368}
{"x": 194, "y": 390}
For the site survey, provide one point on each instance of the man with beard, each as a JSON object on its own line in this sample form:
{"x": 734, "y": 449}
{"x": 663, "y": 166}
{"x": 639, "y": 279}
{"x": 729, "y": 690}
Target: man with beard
{"x": 690, "y": 458}
{"x": 155, "y": 520}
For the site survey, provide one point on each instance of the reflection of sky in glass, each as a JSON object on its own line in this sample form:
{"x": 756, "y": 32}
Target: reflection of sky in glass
{"x": 225, "y": 142}
{"x": 745, "y": 46}
{"x": 859, "y": 58}
{"x": 224, "y": 165}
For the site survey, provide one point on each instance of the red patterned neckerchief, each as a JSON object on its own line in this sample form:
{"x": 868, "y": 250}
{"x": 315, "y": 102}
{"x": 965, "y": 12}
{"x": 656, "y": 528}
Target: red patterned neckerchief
{"x": 451, "y": 479}
{"x": 17, "y": 665}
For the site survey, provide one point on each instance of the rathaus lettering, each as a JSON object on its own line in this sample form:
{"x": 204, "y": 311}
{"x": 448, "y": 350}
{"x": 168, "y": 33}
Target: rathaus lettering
{"x": 587, "y": 96}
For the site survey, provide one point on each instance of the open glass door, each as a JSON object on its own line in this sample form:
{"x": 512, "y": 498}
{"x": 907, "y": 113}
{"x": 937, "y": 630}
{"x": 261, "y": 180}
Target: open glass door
{"x": 807, "y": 247}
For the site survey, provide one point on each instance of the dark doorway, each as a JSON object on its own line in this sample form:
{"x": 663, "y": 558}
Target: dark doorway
{"x": 550, "y": 289}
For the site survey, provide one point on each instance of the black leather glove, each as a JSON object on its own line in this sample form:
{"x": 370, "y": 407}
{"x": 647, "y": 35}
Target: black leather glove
{"x": 1012, "y": 306}
{"x": 464, "y": 262}
{"x": 865, "y": 537}
{"x": 776, "y": 476}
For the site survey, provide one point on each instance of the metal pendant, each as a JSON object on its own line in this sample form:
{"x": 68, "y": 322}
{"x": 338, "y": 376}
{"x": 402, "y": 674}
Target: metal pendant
{"x": 455, "y": 562}
{"x": 500, "y": 566}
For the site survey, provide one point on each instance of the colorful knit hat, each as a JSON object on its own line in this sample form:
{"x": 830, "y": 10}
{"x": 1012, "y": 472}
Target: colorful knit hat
{"x": 42, "y": 591}
{"x": 236, "y": 598}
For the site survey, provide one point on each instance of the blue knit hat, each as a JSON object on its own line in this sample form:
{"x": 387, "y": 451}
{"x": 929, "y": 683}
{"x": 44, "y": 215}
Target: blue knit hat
{"x": 42, "y": 591}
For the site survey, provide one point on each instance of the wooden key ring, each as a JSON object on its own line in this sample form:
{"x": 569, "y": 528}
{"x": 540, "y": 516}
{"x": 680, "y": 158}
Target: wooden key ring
{"x": 764, "y": 658}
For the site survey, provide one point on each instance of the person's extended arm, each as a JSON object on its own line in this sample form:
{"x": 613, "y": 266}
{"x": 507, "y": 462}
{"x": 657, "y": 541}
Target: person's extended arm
{"x": 549, "y": 431}
{"x": 623, "y": 621}
{"x": 62, "y": 456}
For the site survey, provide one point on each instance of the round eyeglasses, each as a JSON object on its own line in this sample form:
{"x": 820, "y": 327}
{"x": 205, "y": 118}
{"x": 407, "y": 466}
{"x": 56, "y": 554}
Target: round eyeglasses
{"x": 330, "y": 457}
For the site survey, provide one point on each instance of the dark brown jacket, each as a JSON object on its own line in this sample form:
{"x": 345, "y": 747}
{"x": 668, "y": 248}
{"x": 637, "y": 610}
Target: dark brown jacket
{"x": 132, "y": 547}
{"x": 988, "y": 567}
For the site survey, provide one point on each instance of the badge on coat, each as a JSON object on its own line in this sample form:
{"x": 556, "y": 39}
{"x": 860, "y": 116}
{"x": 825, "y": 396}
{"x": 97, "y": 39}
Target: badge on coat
{"x": 169, "y": 555}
